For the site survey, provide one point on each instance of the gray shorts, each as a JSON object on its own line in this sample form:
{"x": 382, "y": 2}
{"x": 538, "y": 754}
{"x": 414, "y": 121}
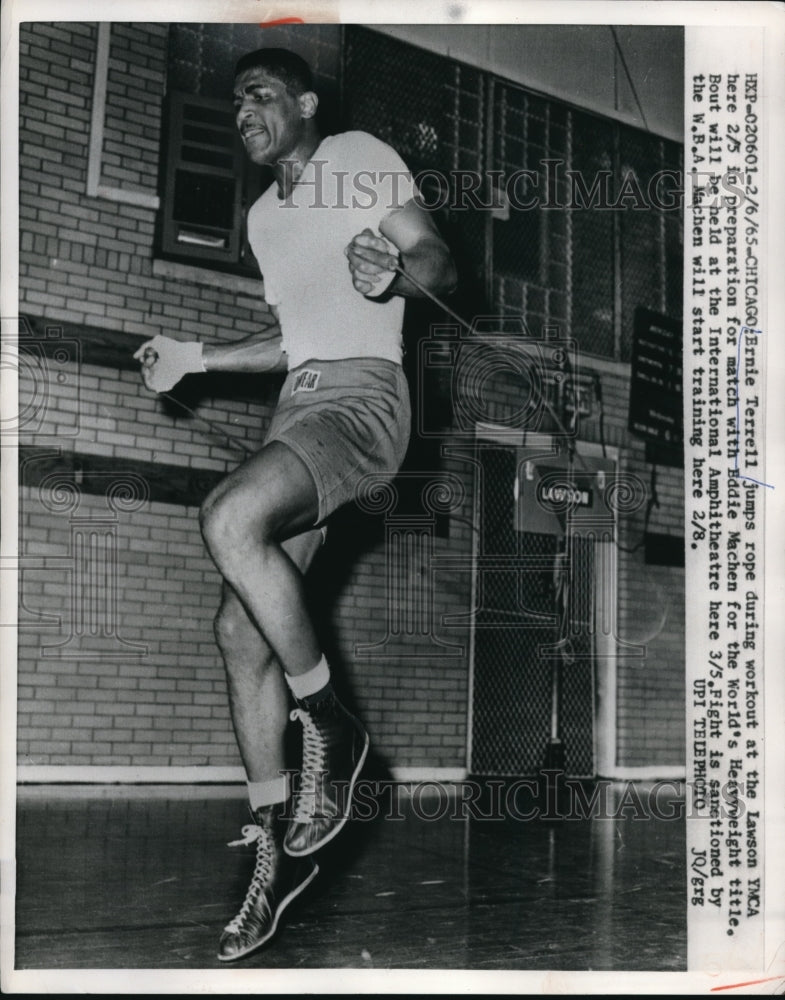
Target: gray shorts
{"x": 345, "y": 419}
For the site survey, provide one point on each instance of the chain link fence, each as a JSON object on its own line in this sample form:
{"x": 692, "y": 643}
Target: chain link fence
{"x": 518, "y": 630}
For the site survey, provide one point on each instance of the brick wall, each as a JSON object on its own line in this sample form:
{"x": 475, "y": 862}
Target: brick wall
{"x": 650, "y": 598}
{"x": 149, "y": 689}
{"x": 80, "y": 259}
{"x": 91, "y": 262}
{"x": 650, "y": 714}
{"x": 650, "y": 612}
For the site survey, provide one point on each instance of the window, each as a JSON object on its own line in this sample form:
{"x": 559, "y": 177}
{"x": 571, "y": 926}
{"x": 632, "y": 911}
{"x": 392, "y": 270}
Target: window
{"x": 208, "y": 186}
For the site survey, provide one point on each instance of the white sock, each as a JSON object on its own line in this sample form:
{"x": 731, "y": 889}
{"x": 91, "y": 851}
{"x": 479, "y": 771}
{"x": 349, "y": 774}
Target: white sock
{"x": 268, "y": 793}
{"x": 313, "y": 680}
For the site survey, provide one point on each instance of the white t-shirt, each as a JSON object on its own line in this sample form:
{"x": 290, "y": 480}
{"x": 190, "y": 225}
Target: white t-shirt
{"x": 351, "y": 183}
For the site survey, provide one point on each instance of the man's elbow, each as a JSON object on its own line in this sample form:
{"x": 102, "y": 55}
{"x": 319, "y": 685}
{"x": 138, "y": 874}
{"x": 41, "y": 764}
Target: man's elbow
{"x": 431, "y": 262}
{"x": 450, "y": 276}
{"x": 441, "y": 270}
{"x": 446, "y": 274}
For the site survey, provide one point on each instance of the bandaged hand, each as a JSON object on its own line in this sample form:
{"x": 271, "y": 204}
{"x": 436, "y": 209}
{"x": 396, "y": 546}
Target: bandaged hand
{"x": 165, "y": 360}
{"x": 372, "y": 260}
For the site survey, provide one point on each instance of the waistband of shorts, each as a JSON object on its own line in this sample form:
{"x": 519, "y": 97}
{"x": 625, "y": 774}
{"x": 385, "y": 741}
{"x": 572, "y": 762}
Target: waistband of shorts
{"x": 343, "y": 371}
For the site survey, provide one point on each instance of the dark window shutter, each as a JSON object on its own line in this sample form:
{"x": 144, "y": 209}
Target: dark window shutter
{"x": 207, "y": 184}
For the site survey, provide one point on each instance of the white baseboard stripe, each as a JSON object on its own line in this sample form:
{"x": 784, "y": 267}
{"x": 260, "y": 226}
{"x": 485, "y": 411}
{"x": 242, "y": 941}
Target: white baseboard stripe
{"x": 428, "y": 773}
{"x": 661, "y": 773}
{"x": 54, "y": 774}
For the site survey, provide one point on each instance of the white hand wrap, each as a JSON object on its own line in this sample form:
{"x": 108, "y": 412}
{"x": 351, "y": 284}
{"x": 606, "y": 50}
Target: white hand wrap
{"x": 172, "y": 359}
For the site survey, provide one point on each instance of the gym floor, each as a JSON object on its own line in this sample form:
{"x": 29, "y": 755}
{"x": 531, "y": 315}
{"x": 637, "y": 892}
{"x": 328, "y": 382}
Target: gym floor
{"x": 114, "y": 877}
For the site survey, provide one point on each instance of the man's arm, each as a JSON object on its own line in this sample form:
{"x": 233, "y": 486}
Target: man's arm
{"x": 165, "y": 360}
{"x": 257, "y": 353}
{"x": 423, "y": 254}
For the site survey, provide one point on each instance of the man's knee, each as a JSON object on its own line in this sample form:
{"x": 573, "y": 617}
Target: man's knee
{"x": 229, "y": 523}
{"x": 213, "y": 519}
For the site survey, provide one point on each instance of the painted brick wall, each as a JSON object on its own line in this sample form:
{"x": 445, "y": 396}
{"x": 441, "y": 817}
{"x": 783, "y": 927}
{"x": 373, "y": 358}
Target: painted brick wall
{"x": 91, "y": 261}
{"x": 651, "y": 727}
{"x": 149, "y": 690}
{"x": 650, "y": 613}
{"x": 161, "y": 700}
{"x": 650, "y": 598}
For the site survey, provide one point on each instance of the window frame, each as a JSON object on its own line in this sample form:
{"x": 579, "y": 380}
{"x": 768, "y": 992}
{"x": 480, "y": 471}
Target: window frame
{"x": 185, "y": 113}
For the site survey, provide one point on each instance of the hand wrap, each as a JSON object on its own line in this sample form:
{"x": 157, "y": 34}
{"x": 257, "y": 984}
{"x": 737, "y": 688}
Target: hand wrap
{"x": 165, "y": 361}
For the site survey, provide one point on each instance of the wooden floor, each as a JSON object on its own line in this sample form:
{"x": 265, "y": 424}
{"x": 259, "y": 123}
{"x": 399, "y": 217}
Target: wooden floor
{"x": 114, "y": 878}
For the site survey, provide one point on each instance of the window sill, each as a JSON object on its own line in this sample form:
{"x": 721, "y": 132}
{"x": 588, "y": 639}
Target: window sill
{"x": 203, "y": 276}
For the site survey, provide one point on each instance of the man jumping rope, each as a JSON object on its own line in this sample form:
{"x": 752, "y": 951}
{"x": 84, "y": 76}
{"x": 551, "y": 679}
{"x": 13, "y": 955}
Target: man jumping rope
{"x": 332, "y": 235}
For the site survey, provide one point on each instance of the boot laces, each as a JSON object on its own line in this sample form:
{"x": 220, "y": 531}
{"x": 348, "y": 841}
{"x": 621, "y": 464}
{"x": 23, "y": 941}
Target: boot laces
{"x": 261, "y": 875}
{"x": 314, "y": 748}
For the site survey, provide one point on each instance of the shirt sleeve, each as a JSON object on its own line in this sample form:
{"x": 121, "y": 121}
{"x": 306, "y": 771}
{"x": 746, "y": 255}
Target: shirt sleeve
{"x": 382, "y": 181}
{"x": 271, "y": 297}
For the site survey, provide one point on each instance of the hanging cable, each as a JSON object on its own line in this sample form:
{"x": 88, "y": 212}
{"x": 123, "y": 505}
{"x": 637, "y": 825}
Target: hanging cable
{"x": 653, "y": 501}
{"x": 601, "y": 420}
{"x": 437, "y": 301}
{"x": 572, "y": 452}
{"x": 231, "y": 439}
{"x": 629, "y": 77}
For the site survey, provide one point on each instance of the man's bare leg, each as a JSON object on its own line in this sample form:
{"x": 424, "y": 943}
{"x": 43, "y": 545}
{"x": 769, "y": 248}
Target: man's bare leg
{"x": 259, "y": 703}
{"x": 244, "y": 522}
{"x": 258, "y": 695}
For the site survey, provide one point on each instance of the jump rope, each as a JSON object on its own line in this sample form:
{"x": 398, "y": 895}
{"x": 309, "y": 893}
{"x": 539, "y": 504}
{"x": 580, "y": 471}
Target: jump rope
{"x": 573, "y": 452}
{"x": 564, "y": 576}
{"x": 234, "y": 441}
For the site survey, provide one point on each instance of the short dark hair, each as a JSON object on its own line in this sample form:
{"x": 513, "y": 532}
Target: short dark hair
{"x": 292, "y": 70}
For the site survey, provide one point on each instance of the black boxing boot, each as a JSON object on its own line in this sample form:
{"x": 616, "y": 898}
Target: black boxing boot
{"x": 277, "y": 880}
{"x": 335, "y": 745}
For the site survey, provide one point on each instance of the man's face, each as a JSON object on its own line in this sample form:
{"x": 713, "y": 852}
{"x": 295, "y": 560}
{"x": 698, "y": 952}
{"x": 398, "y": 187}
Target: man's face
{"x": 269, "y": 118}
